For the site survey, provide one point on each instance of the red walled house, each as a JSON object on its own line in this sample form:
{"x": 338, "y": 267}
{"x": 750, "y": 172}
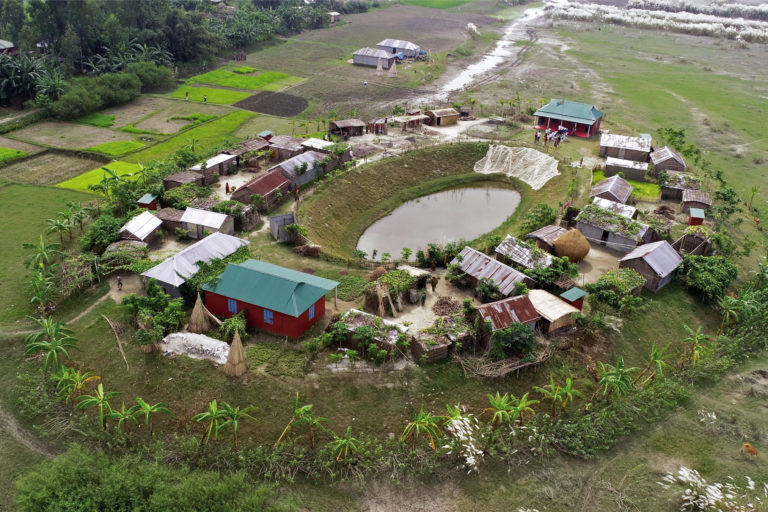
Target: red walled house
{"x": 276, "y": 299}
{"x": 148, "y": 201}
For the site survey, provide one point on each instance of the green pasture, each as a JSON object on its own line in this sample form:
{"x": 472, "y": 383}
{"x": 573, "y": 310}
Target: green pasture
{"x": 642, "y": 190}
{"x": 219, "y": 96}
{"x": 206, "y": 137}
{"x": 94, "y": 176}
{"x": 244, "y": 70}
{"x": 7, "y": 154}
{"x": 117, "y": 148}
{"x": 98, "y": 119}
{"x": 266, "y": 81}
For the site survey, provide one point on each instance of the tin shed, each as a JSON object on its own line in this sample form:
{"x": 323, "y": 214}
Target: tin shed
{"x": 656, "y": 262}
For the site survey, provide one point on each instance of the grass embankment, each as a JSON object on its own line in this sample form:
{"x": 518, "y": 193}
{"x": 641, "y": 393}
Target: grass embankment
{"x": 337, "y": 213}
{"x": 95, "y": 176}
{"x": 642, "y": 190}
{"x": 206, "y": 137}
{"x": 116, "y": 148}
{"x": 7, "y": 154}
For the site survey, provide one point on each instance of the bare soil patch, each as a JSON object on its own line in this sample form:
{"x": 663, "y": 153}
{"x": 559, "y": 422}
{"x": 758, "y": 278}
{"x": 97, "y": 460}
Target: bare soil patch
{"x": 599, "y": 261}
{"x": 136, "y": 110}
{"x": 274, "y": 103}
{"x": 5, "y": 142}
{"x": 69, "y": 135}
{"x": 47, "y": 169}
{"x": 163, "y": 121}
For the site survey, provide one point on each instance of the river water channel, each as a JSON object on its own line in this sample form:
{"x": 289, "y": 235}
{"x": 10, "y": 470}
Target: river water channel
{"x": 448, "y": 216}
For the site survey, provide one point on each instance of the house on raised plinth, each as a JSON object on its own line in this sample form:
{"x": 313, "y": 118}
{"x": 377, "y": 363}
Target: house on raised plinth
{"x": 696, "y": 199}
{"x": 272, "y": 186}
{"x": 346, "y": 127}
{"x": 478, "y": 266}
{"x": 441, "y": 117}
{"x": 556, "y": 314}
{"x": 545, "y": 237}
{"x": 630, "y": 169}
{"x": 511, "y": 251}
{"x": 142, "y": 228}
{"x": 582, "y": 120}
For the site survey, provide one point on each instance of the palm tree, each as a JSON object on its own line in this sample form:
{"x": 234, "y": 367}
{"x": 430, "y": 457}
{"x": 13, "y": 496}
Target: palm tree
{"x": 523, "y": 406}
{"x": 303, "y": 415}
{"x": 101, "y": 400}
{"x": 148, "y": 410}
{"x": 68, "y": 218}
{"x": 214, "y": 417}
{"x": 71, "y": 382}
{"x": 57, "y": 226}
{"x": 123, "y": 415}
{"x": 43, "y": 285}
{"x": 234, "y": 416}
{"x": 699, "y": 346}
{"x": 616, "y": 379}
{"x": 49, "y": 330}
{"x": 43, "y": 255}
{"x": 656, "y": 364}
{"x": 424, "y": 423}
{"x": 502, "y": 409}
{"x": 342, "y": 446}
{"x": 730, "y": 307}
{"x": 55, "y": 348}
{"x": 754, "y": 190}
{"x": 551, "y": 392}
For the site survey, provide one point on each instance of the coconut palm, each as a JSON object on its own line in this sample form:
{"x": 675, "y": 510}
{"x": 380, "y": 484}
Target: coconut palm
{"x": 100, "y": 399}
{"x": 55, "y": 349}
{"x": 71, "y": 382}
{"x": 342, "y": 446}
{"x": 656, "y": 364}
{"x": 57, "y": 226}
{"x": 424, "y": 423}
{"x": 730, "y": 308}
{"x": 148, "y": 410}
{"x": 123, "y": 415}
{"x": 523, "y": 407}
{"x": 303, "y": 415}
{"x": 698, "y": 345}
{"x": 43, "y": 255}
{"x": 615, "y": 379}
{"x": 502, "y": 409}
{"x": 234, "y": 416}
{"x": 214, "y": 417}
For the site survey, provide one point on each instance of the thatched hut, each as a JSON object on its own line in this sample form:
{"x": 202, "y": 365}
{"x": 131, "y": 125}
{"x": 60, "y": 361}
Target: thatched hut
{"x": 573, "y": 245}
{"x": 236, "y": 364}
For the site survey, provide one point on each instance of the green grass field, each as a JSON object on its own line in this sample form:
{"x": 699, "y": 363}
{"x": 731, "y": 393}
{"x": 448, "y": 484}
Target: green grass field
{"x": 7, "y": 154}
{"x": 97, "y": 119}
{"x": 436, "y": 4}
{"x": 218, "y": 96}
{"x": 244, "y": 70}
{"x": 95, "y": 176}
{"x": 207, "y": 136}
{"x": 267, "y": 81}
{"x": 642, "y": 190}
{"x": 117, "y": 148}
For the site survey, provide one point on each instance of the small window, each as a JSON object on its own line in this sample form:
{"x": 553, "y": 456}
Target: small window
{"x": 311, "y": 311}
{"x": 232, "y": 306}
{"x": 268, "y": 317}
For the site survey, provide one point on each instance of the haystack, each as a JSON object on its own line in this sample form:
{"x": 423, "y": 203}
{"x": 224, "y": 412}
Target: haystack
{"x": 393, "y": 70}
{"x": 198, "y": 320}
{"x": 572, "y": 244}
{"x": 379, "y": 68}
{"x": 236, "y": 363}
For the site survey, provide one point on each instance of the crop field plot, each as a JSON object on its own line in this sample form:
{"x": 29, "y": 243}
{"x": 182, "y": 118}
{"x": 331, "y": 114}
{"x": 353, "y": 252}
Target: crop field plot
{"x": 98, "y": 119}
{"x": 275, "y": 104}
{"x": 69, "y": 135}
{"x": 9, "y": 143}
{"x": 94, "y": 176}
{"x": 47, "y": 168}
{"x": 174, "y": 116}
{"x": 117, "y": 148}
{"x": 257, "y": 124}
{"x": 137, "y": 110}
{"x": 7, "y": 154}
{"x": 265, "y": 81}
{"x": 436, "y": 4}
{"x": 209, "y": 95}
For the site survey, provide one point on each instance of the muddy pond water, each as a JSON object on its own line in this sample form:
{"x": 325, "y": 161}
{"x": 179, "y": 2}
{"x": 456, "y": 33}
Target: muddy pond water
{"x": 448, "y": 216}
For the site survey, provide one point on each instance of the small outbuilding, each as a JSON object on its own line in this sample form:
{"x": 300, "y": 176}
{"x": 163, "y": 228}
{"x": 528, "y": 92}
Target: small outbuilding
{"x": 246, "y": 148}
{"x": 219, "y": 165}
{"x": 399, "y": 47}
{"x": 625, "y": 147}
{"x": 333, "y": 16}
{"x": 148, "y": 201}
{"x": 581, "y": 119}
{"x": 272, "y": 186}
{"x": 614, "y": 188}
{"x": 505, "y": 312}
{"x": 285, "y": 146}
{"x": 266, "y": 134}
{"x": 696, "y": 199}
{"x": 575, "y": 297}
{"x": 171, "y": 218}
{"x": 628, "y": 168}
{"x": 199, "y": 222}
{"x": 696, "y": 216}
{"x": 676, "y": 182}
{"x": 276, "y": 299}
{"x": 512, "y": 251}
{"x": 373, "y": 57}
{"x": 143, "y": 228}
{"x": 478, "y": 266}
{"x": 556, "y": 314}
{"x": 182, "y": 178}
{"x": 300, "y": 169}
{"x": 656, "y": 262}
{"x": 346, "y": 127}
{"x": 173, "y": 272}
{"x": 315, "y": 144}
{"x": 442, "y": 117}
{"x": 545, "y": 237}
{"x": 667, "y": 159}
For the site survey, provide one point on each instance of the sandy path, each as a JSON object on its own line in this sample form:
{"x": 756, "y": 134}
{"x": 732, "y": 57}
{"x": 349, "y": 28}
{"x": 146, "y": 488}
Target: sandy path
{"x": 14, "y": 430}
{"x": 131, "y": 284}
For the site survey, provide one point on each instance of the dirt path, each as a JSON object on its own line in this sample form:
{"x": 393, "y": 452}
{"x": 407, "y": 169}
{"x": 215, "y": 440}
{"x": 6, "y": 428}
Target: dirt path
{"x": 131, "y": 284}
{"x": 15, "y": 431}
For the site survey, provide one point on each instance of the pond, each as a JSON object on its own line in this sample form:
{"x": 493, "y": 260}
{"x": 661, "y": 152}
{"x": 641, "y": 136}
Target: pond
{"x": 448, "y": 216}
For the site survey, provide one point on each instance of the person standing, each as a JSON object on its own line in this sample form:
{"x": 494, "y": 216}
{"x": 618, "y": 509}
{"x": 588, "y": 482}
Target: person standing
{"x": 119, "y": 283}
{"x": 186, "y": 96}
{"x": 205, "y": 98}
{"x": 433, "y": 281}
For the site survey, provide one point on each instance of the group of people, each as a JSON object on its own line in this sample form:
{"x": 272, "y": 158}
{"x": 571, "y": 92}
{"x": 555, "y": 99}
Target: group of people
{"x": 553, "y": 136}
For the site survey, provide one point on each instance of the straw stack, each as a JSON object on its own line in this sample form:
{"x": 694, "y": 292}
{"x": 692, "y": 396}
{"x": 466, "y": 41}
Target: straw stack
{"x": 198, "y": 320}
{"x": 572, "y": 244}
{"x": 236, "y": 363}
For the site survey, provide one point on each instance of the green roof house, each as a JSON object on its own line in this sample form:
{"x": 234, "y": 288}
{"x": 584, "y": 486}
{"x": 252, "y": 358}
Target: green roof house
{"x": 580, "y": 119}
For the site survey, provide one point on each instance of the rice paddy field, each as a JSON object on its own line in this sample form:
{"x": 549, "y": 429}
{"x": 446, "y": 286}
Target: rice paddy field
{"x": 7, "y": 154}
{"x": 47, "y": 168}
{"x": 94, "y": 176}
{"x": 116, "y": 148}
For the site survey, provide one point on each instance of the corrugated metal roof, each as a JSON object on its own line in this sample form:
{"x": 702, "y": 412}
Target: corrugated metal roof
{"x": 398, "y": 43}
{"x": 289, "y": 166}
{"x": 171, "y": 214}
{"x": 573, "y": 294}
{"x": 570, "y": 111}
{"x": 146, "y": 198}
{"x": 696, "y": 196}
{"x": 266, "y": 183}
{"x": 664, "y": 154}
{"x": 265, "y": 133}
{"x": 522, "y": 255}
{"x": 548, "y": 234}
{"x": 506, "y": 312}
{"x": 478, "y": 265}
{"x": 442, "y": 112}
{"x": 272, "y": 287}
{"x": 550, "y": 306}
{"x": 184, "y": 177}
{"x": 618, "y": 208}
{"x": 614, "y": 140}
{"x": 682, "y": 180}
{"x": 315, "y": 143}
{"x": 141, "y": 226}
{"x": 213, "y": 161}
{"x": 617, "y": 186}
{"x": 661, "y": 257}
{"x": 348, "y": 123}
{"x": 247, "y": 146}
{"x": 204, "y": 218}
{"x": 628, "y": 164}
{"x": 176, "y": 269}
{"x": 6, "y": 45}
{"x": 286, "y": 142}
{"x": 697, "y": 213}
{"x": 373, "y": 52}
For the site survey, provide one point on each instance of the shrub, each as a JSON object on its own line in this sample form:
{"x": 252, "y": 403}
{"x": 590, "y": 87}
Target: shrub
{"x": 515, "y": 340}
{"x": 615, "y": 288}
{"x": 181, "y": 197}
{"x": 550, "y": 274}
{"x": 488, "y": 291}
{"x": 102, "y": 232}
{"x": 151, "y": 76}
{"x": 77, "y": 102}
{"x": 709, "y": 275}
{"x": 116, "y": 88}
{"x": 540, "y": 215}
{"x": 234, "y": 324}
